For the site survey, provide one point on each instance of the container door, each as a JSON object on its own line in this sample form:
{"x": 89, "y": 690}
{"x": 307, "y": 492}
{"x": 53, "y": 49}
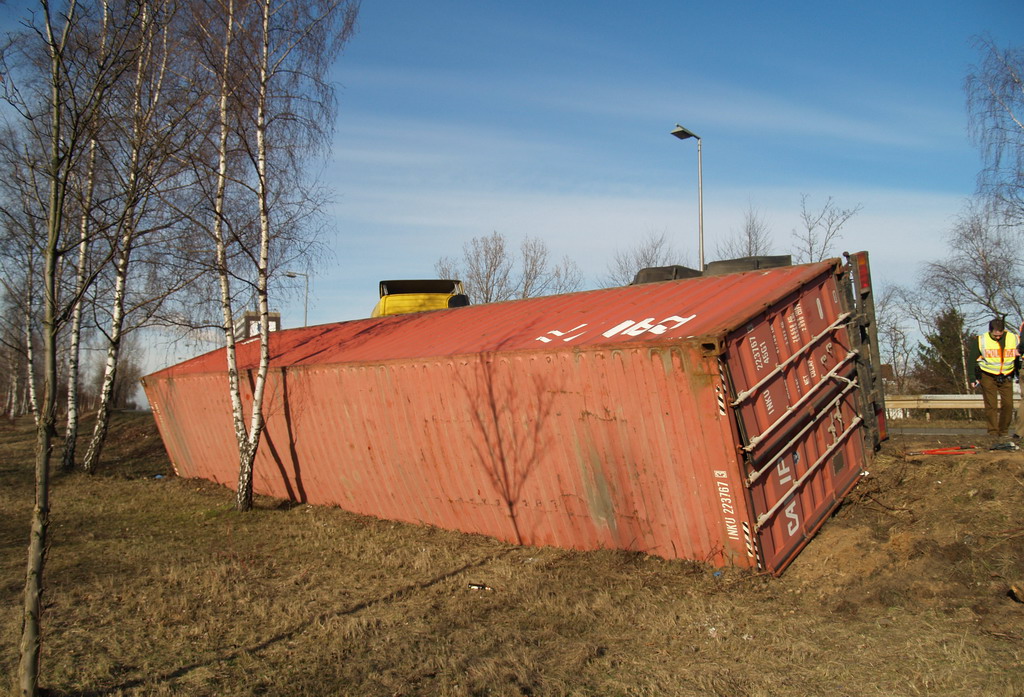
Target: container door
{"x": 794, "y": 384}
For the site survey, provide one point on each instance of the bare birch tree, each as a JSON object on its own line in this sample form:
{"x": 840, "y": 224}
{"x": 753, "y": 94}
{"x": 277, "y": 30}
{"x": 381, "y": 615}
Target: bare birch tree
{"x": 538, "y": 276}
{"x": 486, "y": 269}
{"x": 14, "y": 362}
{"x": 752, "y": 240}
{"x": 895, "y": 331}
{"x": 142, "y": 156}
{"x": 983, "y": 274}
{"x": 75, "y": 329}
{"x": 86, "y": 190}
{"x": 22, "y": 226}
{"x": 995, "y": 105}
{"x": 652, "y": 250}
{"x": 20, "y": 340}
{"x": 274, "y": 104}
{"x": 493, "y": 272}
{"x": 820, "y": 229}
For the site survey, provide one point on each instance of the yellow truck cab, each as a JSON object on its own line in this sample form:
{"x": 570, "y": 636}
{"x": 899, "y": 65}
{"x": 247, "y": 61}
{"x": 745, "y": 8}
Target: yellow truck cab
{"x": 404, "y": 297}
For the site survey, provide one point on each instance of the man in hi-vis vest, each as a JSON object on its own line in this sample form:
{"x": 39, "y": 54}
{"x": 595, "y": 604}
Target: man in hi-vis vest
{"x": 995, "y": 368}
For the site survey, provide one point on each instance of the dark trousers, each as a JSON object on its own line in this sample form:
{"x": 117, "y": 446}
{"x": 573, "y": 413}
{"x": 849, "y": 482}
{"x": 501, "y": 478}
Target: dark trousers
{"x": 998, "y": 403}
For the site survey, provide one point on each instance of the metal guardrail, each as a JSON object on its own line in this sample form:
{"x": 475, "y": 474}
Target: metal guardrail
{"x": 934, "y": 401}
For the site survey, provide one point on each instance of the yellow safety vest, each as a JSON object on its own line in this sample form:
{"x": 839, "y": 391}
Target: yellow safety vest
{"x": 996, "y": 359}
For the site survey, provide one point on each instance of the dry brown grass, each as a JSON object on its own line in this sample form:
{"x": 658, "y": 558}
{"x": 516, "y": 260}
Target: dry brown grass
{"x": 157, "y": 587}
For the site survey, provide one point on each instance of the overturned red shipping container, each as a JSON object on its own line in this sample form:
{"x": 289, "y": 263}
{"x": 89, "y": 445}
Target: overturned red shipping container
{"x": 719, "y": 418}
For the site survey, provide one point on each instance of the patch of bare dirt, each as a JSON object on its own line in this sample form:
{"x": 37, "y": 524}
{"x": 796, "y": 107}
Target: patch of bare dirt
{"x": 942, "y": 533}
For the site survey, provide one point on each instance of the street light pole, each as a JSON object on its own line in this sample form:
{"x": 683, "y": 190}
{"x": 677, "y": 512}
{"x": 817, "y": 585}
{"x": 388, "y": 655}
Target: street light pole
{"x": 305, "y": 302}
{"x": 682, "y": 134}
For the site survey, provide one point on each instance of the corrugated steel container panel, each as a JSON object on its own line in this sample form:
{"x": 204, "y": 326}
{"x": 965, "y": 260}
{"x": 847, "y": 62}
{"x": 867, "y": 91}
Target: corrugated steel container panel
{"x": 718, "y": 419}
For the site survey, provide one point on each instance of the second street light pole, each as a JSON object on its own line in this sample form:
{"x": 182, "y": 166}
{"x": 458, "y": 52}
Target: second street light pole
{"x": 305, "y": 302}
{"x": 682, "y": 134}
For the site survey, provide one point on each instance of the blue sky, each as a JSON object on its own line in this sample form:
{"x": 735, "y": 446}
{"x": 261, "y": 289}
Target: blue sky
{"x": 552, "y": 119}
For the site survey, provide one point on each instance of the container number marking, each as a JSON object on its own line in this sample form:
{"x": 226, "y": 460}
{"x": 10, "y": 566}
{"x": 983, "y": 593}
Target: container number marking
{"x": 725, "y": 499}
{"x": 759, "y": 352}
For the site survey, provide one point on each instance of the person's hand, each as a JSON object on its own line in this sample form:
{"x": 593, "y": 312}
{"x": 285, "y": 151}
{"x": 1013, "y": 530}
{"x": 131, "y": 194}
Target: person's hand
{"x": 974, "y": 385}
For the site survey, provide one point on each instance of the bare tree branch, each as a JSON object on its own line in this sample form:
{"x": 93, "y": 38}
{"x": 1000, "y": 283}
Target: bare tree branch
{"x": 983, "y": 274}
{"x": 753, "y": 240}
{"x": 652, "y": 250}
{"x": 820, "y": 229}
{"x": 995, "y": 105}
{"x": 492, "y": 272}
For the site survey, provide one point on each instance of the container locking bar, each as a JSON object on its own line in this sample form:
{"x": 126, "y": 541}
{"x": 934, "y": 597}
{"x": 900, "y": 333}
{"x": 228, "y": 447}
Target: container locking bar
{"x": 745, "y": 395}
{"x": 764, "y": 517}
{"x": 800, "y": 402}
{"x": 754, "y": 476}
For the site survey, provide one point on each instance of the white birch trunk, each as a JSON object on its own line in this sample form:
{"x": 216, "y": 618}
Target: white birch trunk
{"x": 74, "y": 355}
{"x": 143, "y": 109}
{"x": 245, "y": 455}
{"x": 15, "y": 386}
{"x": 74, "y": 352}
{"x": 99, "y": 433}
{"x": 30, "y": 383}
{"x": 245, "y": 472}
{"x": 125, "y": 240}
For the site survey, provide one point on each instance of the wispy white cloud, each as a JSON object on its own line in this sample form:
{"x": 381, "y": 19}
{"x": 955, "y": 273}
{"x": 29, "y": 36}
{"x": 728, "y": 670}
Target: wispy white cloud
{"x": 876, "y": 114}
{"x": 402, "y": 235}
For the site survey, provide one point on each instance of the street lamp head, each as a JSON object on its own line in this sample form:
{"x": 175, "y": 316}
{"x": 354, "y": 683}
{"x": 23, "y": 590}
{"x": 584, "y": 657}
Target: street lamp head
{"x": 683, "y": 133}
